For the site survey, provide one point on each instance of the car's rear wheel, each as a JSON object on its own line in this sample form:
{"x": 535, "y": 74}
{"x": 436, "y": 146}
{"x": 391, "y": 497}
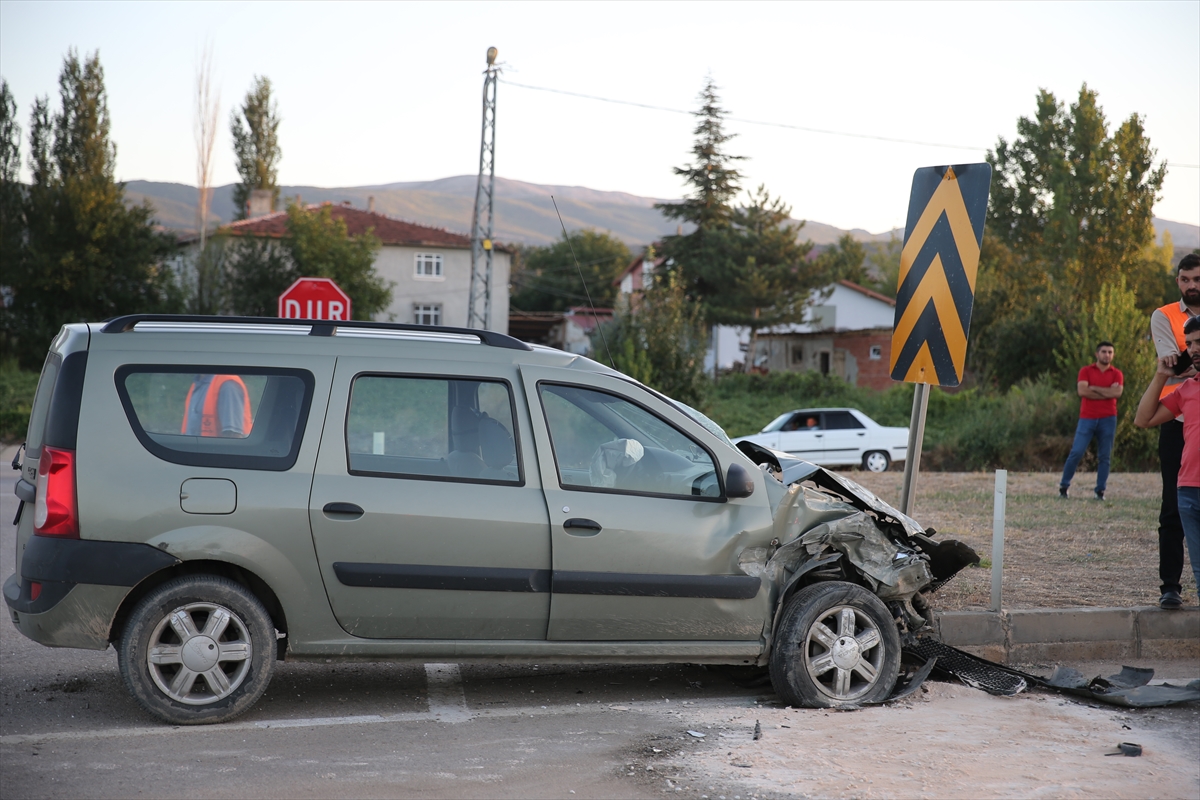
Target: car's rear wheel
{"x": 198, "y": 649}
{"x": 876, "y": 461}
{"x": 837, "y": 645}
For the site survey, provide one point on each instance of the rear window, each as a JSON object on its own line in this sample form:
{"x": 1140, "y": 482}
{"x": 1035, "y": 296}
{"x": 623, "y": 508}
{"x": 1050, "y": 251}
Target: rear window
{"x": 218, "y": 416}
{"x": 841, "y": 420}
{"x": 401, "y": 426}
{"x": 41, "y": 404}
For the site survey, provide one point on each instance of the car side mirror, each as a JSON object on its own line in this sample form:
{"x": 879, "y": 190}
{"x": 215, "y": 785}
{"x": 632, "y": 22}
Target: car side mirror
{"x": 738, "y": 482}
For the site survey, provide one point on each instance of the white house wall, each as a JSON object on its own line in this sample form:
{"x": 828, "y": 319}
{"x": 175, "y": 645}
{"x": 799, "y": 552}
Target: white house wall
{"x": 451, "y": 291}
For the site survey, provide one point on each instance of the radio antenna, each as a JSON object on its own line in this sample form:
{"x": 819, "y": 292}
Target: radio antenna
{"x": 579, "y": 269}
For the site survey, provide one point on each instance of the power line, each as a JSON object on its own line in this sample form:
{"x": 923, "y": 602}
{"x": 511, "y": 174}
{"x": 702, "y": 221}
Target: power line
{"x": 785, "y": 125}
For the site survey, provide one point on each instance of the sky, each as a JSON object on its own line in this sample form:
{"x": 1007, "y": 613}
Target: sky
{"x": 375, "y": 93}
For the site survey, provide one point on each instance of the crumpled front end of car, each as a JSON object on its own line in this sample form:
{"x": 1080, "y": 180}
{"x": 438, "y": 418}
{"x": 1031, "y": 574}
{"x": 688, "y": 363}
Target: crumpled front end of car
{"x": 828, "y": 528}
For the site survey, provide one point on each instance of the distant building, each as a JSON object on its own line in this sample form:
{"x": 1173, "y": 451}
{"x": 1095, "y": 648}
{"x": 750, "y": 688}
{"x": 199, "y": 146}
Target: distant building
{"x": 848, "y": 334}
{"x": 568, "y": 330}
{"x": 430, "y": 267}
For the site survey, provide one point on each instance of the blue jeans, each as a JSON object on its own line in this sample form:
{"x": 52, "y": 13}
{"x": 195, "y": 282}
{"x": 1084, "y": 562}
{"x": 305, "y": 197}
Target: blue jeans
{"x": 1103, "y": 430}
{"x": 1189, "y": 515}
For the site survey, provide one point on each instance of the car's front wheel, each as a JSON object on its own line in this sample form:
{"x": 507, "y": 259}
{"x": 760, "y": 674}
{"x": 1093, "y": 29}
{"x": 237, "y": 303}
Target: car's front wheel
{"x": 836, "y": 645}
{"x": 876, "y": 461}
{"x": 198, "y": 649}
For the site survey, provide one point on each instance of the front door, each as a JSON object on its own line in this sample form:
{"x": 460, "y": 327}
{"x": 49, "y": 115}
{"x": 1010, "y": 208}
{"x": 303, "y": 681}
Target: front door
{"x": 428, "y": 519}
{"x": 804, "y": 437}
{"x": 645, "y": 543}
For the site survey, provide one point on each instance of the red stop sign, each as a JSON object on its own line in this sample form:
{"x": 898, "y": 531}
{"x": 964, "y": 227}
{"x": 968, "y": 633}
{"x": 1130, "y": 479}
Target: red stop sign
{"x": 314, "y": 298}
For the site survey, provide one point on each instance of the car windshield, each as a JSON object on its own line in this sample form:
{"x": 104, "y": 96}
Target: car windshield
{"x": 709, "y": 425}
{"x": 778, "y": 422}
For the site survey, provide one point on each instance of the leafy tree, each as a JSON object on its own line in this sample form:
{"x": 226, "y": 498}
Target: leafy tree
{"x": 89, "y": 256}
{"x": 663, "y": 343}
{"x": 12, "y": 196}
{"x": 320, "y": 247}
{"x": 1115, "y": 317}
{"x": 315, "y": 245}
{"x": 883, "y": 272}
{"x": 1070, "y": 213}
{"x": 774, "y": 277}
{"x": 256, "y": 145}
{"x": 258, "y": 270}
{"x": 546, "y": 278}
{"x": 846, "y": 260}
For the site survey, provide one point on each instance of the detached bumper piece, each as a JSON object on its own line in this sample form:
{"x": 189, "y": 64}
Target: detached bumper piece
{"x": 1129, "y": 688}
{"x": 975, "y": 672}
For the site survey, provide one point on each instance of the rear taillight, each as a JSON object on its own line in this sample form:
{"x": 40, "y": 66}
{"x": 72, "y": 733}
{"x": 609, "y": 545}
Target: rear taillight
{"x": 55, "y": 512}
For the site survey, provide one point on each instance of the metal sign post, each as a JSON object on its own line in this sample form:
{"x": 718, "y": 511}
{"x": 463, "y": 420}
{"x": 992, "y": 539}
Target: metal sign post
{"x": 936, "y": 293}
{"x": 916, "y": 436}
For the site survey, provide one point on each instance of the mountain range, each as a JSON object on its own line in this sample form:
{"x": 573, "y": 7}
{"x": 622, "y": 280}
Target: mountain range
{"x": 524, "y": 213}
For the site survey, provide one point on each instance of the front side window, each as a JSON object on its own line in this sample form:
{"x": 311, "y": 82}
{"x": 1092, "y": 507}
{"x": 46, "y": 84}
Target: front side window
{"x": 428, "y": 265}
{"x": 607, "y": 443}
{"x": 427, "y": 314}
{"x": 434, "y": 428}
{"x": 239, "y": 417}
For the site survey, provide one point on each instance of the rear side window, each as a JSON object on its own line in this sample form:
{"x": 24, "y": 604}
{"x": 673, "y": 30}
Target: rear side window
{"x": 218, "y": 416}
{"x": 403, "y": 426}
{"x": 41, "y": 404}
{"x": 841, "y": 421}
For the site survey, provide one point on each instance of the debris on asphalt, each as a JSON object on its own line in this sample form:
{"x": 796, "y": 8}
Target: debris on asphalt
{"x": 697, "y": 734}
{"x": 1127, "y": 749}
{"x": 757, "y": 730}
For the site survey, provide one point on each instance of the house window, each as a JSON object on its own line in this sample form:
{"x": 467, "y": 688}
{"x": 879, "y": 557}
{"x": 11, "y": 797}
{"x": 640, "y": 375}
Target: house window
{"x": 429, "y": 265}
{"x": 427, "y": 314}
{"x": 876, "y": 352}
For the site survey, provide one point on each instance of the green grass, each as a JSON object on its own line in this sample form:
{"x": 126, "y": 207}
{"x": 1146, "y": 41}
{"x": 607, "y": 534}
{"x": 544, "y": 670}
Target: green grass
{"x": 16, "y": 400}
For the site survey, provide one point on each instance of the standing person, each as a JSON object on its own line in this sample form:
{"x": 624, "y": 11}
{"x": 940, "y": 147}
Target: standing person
{"x": 1099, "y": 386}
{"x": 1158, "y": 409}
{"x": 217, "y": 405}
{"x": 1166, "y": 328}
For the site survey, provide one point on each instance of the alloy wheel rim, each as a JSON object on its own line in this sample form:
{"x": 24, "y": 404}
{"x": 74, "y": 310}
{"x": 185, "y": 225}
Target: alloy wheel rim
{"x": 843, "y": 653}
{"x": 199, "y": 653}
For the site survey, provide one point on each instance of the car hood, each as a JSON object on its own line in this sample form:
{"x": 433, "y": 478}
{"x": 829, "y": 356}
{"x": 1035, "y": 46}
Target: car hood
{"x": 789, "y": 470}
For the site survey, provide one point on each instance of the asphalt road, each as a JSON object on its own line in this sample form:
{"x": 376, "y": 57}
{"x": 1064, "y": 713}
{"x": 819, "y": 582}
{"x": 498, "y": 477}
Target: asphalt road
{"x": 69, "y": 729}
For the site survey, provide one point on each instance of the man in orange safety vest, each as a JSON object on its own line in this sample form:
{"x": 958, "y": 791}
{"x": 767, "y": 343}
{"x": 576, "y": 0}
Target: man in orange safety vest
{"x": 217, "y": 405}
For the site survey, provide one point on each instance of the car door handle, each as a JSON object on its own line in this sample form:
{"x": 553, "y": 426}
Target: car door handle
{"x": 342, "y": 511}
{"x": 582, "y": 527}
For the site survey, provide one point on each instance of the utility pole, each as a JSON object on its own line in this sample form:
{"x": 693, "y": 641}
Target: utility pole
{"x": 481, "y": 226}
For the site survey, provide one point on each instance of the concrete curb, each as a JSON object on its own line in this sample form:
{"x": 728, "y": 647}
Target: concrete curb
{"x": 1023, "y": 636}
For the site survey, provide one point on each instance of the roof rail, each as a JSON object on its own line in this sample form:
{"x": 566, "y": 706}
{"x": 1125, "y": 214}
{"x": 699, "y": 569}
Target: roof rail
{"x": 318, "y": 327}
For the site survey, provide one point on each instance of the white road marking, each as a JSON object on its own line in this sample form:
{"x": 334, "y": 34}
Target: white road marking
{"x": 447, "y": 701}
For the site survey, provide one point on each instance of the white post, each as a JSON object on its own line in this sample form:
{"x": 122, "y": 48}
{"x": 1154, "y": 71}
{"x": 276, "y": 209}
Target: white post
{"x": 998, "y": 536}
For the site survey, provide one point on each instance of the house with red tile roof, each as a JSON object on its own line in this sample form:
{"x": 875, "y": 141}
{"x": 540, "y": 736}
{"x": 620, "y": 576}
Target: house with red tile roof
{"x": 429, "y": 267}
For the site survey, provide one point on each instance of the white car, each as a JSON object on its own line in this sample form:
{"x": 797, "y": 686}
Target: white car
{"x": 834, "y": 437}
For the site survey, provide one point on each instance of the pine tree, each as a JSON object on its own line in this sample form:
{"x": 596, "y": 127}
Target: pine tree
{"x": 89, "y": 256}
{"x": 256, "y": 145}
{"x": 12, "y": 196}
{"x": 706, "y": 255}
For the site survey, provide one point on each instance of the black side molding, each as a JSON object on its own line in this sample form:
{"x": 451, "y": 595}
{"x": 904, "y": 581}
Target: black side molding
{"x": 723, "y": 587}
{"x": 494, "y": 579}
{"x": 53, "y": 559}
{"x": 423, "y": 576}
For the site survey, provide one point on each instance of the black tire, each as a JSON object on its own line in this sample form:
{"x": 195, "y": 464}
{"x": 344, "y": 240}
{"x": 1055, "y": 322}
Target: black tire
{"x": 212, "y": 645}
{"x": 836, "y": 646}
{"x": 876, "y": 461}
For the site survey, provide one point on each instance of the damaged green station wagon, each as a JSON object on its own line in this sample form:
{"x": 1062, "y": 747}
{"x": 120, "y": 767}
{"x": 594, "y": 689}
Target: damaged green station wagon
{"x": 211, "y": 494}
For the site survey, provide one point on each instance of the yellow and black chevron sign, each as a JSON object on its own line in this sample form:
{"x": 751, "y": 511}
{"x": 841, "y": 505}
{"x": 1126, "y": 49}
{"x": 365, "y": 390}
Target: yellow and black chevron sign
{"x": 942, "y": 237}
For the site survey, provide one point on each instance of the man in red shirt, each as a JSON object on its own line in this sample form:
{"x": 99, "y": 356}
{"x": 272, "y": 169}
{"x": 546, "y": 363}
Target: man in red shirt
{"x": 1099, "y": 386}
{"x": 1156, "y": 409}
